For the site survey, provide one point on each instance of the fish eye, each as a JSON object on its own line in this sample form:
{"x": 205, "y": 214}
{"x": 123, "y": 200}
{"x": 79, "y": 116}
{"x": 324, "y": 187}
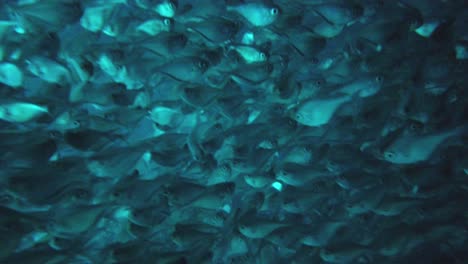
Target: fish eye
{"x": 225, "y": 167}
{"x": 51, "y": 224}
{"x": 379, "y": 79}
{"x": 282, "y": 173}
{"x": 76, "y": 123}
{"x": 389, "y": 155}
{"x": 135, "y": 214}
{"x": 279, "y": 108}
{"x": 415, "y": 23}
{"x": 202, "y": 64}
{"x": 109, "y": 116}
{"x": 406, "y": 109}
{"x": 291, "y": 123}
{"x": 299, "y": 116}
{"x": 274, "y": 11}
{"x": 81, "y": 193}
{"x": 166, "y": 193}
{"x": 230, "y": 187}
{"x": 190, "y": 91}
{"x": 181, "y": 38}
{"x": 262, "y": 56}
{"x": 318, "y": 83}
{"x": 41, "y": 71}
{"x": 54, "y": 134}
{"x": 167, "y": 22}
{"x": 5, "y": 199}
{"x": 117, "y": 194}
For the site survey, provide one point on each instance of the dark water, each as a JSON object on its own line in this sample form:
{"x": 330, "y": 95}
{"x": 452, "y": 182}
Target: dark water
{"x": 249, "y": 131}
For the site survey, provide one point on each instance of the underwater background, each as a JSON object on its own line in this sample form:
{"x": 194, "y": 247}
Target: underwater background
{"x": 233, "y": 131}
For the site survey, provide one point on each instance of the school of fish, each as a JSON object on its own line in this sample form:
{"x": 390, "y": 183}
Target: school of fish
{"x": 233, "y": 131}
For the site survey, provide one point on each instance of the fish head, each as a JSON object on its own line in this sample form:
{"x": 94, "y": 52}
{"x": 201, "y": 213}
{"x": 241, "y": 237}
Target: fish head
{"x": 168, "y": 23}
{"x": 213, "y": 57}
{"x": 6, "y": 199}
{"x": 415, "y": 22}
{"x": 177, "y": 42}
{"x": 35, "y": 67}
{"x": 378, "y": 80}
{"x": 394, "y": 156}
{"x": 294, "y": 114}
{"x": 230, "y": 28}
{"x": 273, "y": 12}
{"x": 201, "y": 65}
{"x": 262, "y": 56}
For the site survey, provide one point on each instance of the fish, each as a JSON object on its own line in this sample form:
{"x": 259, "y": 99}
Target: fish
{"x": 299, "y": 175}
{"x": 345, "y": 254}
{"x": 186, "y": 69}
{"x": 259, "y": 230}
{"x": 36, "y": 17}
{"x": 322, "y": 234}
{"x": 11, "y": 75}
{"x": 164, "y": 8}
{"x": 391, "y": 206}
{"x": 360, "y": 202}
{"x": 256, "y": 13}
{"x": 411, "y": 149}
{"x": 166, "y": 44}
{"x": 96, "y": 17}
{"x": 318, "y": 112}
{"x": 154, "y": 27}
{"x": 21, "y": 112}
{"x": 236, "y": 131}
{"x": 48, "y": 70}
{"x": 363, "y": 87}
{"x": 249, "y": 53}
{"x": 215, "y": 30}
{"x": 338, "y": 14}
